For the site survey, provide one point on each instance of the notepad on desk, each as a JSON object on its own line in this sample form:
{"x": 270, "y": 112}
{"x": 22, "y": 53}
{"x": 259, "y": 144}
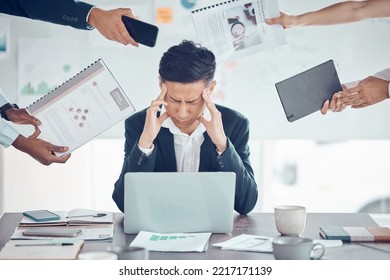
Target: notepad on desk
{"x": 41, "y": 250}
{"x": 350, "y": 234}
{"x": 75, "y": 217}
{"x": 96, "y": 232}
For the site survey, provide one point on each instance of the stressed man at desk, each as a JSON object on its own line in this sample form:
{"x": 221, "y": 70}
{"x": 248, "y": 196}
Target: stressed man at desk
{"x": 184, "y": 131}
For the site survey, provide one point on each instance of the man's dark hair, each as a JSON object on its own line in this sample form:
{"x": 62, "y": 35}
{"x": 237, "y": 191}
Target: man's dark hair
{"x": 187, "y": 63}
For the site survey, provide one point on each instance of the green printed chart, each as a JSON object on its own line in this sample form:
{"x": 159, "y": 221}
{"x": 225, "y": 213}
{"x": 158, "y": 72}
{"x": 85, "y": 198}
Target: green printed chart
{"x": 155, "y": 237}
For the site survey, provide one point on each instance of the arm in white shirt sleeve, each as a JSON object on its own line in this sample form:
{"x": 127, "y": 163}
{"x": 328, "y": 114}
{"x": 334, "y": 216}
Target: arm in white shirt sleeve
{"x": 3, "y": 99}
{"x": 8, "y": 134}
{"x": 385, "y": 75}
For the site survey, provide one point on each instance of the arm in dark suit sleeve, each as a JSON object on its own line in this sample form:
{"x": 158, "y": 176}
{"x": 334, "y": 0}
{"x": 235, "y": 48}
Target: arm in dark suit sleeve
{"x": 63, "y": 12}
{"x": 236, "y": 159}
{"x": 135, "y": 160}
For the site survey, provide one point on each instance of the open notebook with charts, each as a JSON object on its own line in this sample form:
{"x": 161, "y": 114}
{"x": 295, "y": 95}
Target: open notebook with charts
{"x": 179, "y": 202}
{"x": 82, "y": 107}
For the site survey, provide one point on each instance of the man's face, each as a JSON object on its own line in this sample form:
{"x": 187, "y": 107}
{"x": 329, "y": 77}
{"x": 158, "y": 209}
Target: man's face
{"x": 185, "y": 103}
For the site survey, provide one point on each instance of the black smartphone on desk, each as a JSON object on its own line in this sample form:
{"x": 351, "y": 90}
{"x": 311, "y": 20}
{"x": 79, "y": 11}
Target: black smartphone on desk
{"x": 142, "y": 32}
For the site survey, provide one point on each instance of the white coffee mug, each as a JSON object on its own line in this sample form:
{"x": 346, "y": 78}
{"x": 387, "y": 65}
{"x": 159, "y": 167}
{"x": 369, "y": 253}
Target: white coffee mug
{"x": 290, "y": 219}
{"x": 296, "y": 248}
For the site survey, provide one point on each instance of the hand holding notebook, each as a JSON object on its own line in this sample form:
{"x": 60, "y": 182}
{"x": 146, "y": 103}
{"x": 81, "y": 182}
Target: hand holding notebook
{"x": 306, "y": 92}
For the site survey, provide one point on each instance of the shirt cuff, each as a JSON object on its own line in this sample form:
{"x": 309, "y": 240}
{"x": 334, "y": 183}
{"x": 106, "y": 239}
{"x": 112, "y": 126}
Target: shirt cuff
{"x": 147, "y": 152}
{"x": 8, "y": 134}
{"x": 3, "y": 99}
{"x": 89, "y": 27}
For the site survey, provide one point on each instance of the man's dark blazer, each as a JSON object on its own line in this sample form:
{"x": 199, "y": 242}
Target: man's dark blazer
{"x": 63, "y": 12}
{"x": 234, "y": 159}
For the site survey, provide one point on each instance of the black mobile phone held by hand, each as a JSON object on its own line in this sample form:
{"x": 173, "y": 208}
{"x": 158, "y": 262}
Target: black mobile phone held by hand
{"x": 41, "y": 215}
{"x": 142, "y": 32}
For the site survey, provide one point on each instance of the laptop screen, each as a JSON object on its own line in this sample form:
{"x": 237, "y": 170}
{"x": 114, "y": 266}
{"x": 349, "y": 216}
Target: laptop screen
{"x": 172, "y": 202}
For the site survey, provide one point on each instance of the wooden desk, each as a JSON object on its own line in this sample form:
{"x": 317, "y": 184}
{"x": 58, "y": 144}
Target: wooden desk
{"x": 257, "y": 223}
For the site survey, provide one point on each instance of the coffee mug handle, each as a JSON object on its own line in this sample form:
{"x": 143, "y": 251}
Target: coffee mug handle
{"x": 317, "y": 247}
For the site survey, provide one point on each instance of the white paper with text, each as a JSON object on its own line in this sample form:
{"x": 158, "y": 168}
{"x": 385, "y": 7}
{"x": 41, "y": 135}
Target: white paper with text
{"x": 232, "y": 29}
{"x": 81, "y": 108}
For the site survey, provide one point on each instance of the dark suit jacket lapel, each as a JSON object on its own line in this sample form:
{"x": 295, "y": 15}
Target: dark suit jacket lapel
{"x": 167, "y": 150}
{"x": 206, "y": 157}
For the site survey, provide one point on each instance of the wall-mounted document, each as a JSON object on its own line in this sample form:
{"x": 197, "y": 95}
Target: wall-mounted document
{"x": 232, "y": 29}
{"x": 82, "y": 107}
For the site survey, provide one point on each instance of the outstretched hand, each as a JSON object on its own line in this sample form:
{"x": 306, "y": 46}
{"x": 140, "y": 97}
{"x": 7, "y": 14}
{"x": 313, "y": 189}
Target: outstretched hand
{"x": 40, "y": 150}
{"x": 368, "y": 91}
{"x": 109, "y": 24}
{"x": 21, "y": 116}
{"x": 284, "y": 20}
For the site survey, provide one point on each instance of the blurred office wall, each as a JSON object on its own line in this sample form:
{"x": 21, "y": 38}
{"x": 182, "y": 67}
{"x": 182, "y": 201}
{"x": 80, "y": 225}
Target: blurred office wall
{"x": 247, "y": 85}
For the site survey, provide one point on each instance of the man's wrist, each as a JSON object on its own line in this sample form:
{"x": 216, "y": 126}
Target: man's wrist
{"x": 92, "y": 17}
{"x": 5, "y": 108}
{"x": 20, "y": 143}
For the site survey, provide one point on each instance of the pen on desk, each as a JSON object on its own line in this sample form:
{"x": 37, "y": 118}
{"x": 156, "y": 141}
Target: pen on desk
{"x": 44, "y": 244}
{"x": 98, "y": 215}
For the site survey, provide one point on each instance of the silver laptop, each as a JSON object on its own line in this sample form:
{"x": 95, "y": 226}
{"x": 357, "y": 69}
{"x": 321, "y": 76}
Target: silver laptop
{"x": 179, "y": 202}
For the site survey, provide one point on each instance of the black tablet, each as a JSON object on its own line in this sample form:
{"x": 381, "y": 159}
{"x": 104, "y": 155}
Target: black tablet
{"x": 306, "y": 92}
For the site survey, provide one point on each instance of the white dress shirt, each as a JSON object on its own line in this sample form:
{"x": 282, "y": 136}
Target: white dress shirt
{"x": 187, "y": 147}
{"x": 8, "y": 134}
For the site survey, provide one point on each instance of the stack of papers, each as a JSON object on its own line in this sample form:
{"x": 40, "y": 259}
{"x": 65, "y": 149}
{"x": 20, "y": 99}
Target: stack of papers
{"x": 173, "y": 242}
{"x": 101, "y": 232}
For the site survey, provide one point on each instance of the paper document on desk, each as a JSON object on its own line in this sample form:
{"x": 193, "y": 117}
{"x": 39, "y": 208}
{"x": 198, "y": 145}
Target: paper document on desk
{"x": 172, "y": 242}
{"x": 97, "y": 232}
{"x": 261, "y": 244}
{"x": 245, "y": 242}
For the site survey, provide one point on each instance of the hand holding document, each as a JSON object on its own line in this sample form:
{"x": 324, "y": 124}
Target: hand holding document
{"x": 233, "y": 29}
{"x": 173, "y": 242}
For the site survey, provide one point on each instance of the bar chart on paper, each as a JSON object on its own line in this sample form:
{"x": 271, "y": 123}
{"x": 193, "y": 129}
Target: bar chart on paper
{"x": 173, "y": 242}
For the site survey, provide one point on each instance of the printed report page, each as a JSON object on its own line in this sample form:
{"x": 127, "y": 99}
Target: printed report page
{"x": 81, "y": 108}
